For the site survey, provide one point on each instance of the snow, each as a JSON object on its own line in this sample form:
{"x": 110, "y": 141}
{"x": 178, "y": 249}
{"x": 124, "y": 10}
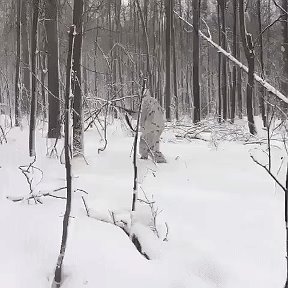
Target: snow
{"x": 224, "y": 214}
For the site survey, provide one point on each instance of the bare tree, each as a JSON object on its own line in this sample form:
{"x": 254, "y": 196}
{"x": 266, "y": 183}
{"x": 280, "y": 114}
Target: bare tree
{"x": 58, "y": 271}
{"x": 25, "y": 57}
{"x": 168, "y": 8}
{"x": 17, "y": 72}
{"x": 51, "y": 25}
{"x": 284, "y": 48}
{"x": 261, "y": 88}
{"x": 222, "y": 7}
{"x": 234, "y": 71}
{"x": 196, "y": 57}
{"x": 78, "y": 130}
{"x": 32, "y": 131}
{"x": 250, "y": 56}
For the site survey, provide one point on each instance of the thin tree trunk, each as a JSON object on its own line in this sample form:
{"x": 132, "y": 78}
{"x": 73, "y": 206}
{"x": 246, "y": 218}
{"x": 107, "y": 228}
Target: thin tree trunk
{"x": 148, "y": 66}
{"x": 25, "y": 55}
{"x": 78, "y": 130}
{"x": 175, "y": 85}
{"x": 249, "y": 53}
{"x": 17, "y": 72}
{"x": 234, "y": 71}
{"x": 239, "y": 85}
{"x": 222, "y": 5}
{"x": 67, "y": 141}
{"x": 51, "y": 25}
{"x": 42, "y": 65}
{"x": 32, "y": 131}
{"x": 168, "y": 60}
{"x": 261, "y": 88}
{"x": 196, "y": 57}
{"x": 219, "y": 68}
{"x": 284, "y": 79}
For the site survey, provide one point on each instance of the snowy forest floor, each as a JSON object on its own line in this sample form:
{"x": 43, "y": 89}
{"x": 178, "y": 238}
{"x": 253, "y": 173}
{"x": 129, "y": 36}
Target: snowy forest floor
{"x": 224, "y": 214}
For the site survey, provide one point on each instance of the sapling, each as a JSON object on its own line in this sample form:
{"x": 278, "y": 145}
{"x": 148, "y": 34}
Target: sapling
{"x": 268, "y": 169}
{"x": 67, "y": 144}
{"x": 135, "y": 179}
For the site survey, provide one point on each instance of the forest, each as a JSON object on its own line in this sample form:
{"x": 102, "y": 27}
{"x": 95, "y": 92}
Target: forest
{"x": 144, "y": 143}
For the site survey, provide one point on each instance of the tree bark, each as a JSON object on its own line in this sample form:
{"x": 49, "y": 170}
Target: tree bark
{"x": 175, "y": 84}
{"x": 250, "y": 56}
{"x": 67, "y": 147}
{"x": 17, "y": 72}
{"x": 284, "y": 49}
{"x": 261, "y": 88}
{"x": 222, "y": 6}
{"x": 51, "y": 25}
{"x": 219, "y": 67}
{"x": 234, "y": 71}
{"x": 168, "y": 60}
{"x": 25, "y": 56}
{"x": 78, "y": 130}
{"x": 196, "y": 57}
{"x": 32, "y": 132}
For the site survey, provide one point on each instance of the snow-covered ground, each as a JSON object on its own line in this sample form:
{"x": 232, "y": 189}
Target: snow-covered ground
{"x": 224, "y": 214}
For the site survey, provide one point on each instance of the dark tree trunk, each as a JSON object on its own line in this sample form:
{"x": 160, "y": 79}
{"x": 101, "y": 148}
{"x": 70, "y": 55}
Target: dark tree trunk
{"x": 222, "y": 6}
{"x": 239, "y": 86}
{"x": 175, "y": 84}
{"x": 250, "y": 56}
{"x": 284, "y": 80}
{"x": 261, "y": 88}
{"x": 234, "y": 71}
{"x": 78, "y": 131}
{"x": 17, "y": 72}
{"x": 168, "y": 60}
{"x": 67, "y": 141}
{"x": 25, "y": 56}
{"x": 196, "y": 56}
{"x": 42, "y": 66}
{"x": 219, "y": 68}
{"x": 51, "y": 25}
{"x": 32, "y": 151}
{"x": 146, "y": 41}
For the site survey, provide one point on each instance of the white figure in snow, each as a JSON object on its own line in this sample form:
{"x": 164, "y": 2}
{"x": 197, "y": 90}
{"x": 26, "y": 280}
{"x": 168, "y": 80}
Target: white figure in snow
{"x": 151, "y": 127}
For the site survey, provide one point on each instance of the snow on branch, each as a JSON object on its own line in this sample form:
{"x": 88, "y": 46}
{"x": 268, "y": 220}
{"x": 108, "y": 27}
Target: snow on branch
{"x": 264, "y": 83}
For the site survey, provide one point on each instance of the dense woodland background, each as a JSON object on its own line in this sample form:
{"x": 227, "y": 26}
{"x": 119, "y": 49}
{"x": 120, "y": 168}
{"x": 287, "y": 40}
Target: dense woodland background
{"x": 74, "y": 64}
{"x": 118, "y": 43}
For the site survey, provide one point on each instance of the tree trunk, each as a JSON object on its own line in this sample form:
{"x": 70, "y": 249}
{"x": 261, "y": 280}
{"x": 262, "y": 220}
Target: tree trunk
{"x": 284, "y": 49}
{"x": 51, "y": 25}
{"x": 196, "y": 56}
{"x": 168, "y": 60}
{"x": 250, "y": 56}
{"x": 234, "y": 74}
{"x": 42, "y": 65}
{"x": 261, "y": 88}
{"x": 222, "y": 6}
{"x": 67, "y": 141}
{"x": 174, "y": 66}
{"x": 17, "y": 72}
{"x": 146, "y": 41}
{"x": 25, "y": 56}
{"x": 219, "y": 68}
{"x": 78, "y": 131}
{"x": 32, "y": 151}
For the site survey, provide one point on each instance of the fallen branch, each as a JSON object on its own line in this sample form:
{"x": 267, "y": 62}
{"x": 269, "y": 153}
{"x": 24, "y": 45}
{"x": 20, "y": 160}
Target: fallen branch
{"x": 261, "y": 81}
{"x": 34, "y": 197}
{"x": 269, "y": 172}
